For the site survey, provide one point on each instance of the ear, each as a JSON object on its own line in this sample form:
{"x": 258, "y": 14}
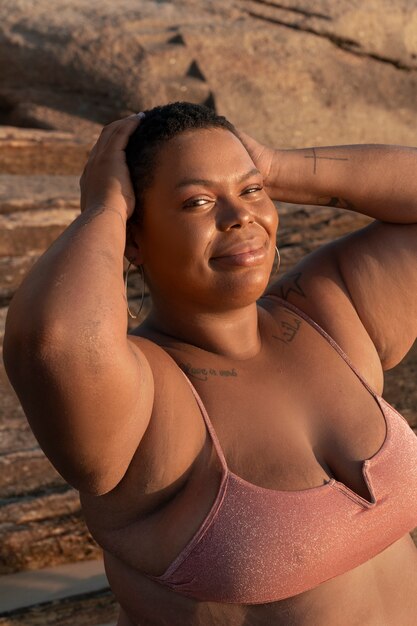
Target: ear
{"x": 132, "y": 250}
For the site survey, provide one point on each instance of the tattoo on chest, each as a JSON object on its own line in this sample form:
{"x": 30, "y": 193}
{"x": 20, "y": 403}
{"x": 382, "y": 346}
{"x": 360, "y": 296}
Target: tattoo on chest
{"x": 292, "y": 285}
{"x": 288, "y": 329}
{"x": 203, "y": 373}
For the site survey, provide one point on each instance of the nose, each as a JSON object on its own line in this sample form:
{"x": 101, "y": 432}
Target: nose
{"x": 234, "y": 214}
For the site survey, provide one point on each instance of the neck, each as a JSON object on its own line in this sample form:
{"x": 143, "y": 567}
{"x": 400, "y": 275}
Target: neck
{"x": 233, "y": 334}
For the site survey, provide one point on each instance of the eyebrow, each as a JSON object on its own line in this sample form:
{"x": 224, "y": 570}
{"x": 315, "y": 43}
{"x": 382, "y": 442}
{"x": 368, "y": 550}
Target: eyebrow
{"x": 203, "y": 181}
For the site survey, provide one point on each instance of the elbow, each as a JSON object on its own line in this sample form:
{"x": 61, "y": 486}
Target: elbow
{"x": 92, "y": 483}
{"x": 96, "y": 487}
{"x": 23, "y": 347}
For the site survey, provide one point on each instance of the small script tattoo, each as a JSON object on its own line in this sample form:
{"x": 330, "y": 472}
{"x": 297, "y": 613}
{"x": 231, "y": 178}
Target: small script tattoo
{"x": 292, "y": 285}
{"x": 202, "y": 373}
{"x": 315, "y": 158}
{"x": 289, "y": 329}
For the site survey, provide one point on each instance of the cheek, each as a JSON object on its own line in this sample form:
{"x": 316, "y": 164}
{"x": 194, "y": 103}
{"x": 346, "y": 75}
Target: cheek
{"x": 269, "y": 216}
{"x": 185, "y": 240}
{"x": 195, "y": 235}
{"x": 175, "y": 244}
{"x": 276, "y": 220}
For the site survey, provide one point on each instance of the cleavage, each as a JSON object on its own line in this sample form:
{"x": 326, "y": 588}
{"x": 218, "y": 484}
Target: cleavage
{"x": 293, "y": 445}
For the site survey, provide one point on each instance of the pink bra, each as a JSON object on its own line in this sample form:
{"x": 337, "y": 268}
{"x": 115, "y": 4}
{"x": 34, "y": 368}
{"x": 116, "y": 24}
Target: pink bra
{"x": 260, "y": 545}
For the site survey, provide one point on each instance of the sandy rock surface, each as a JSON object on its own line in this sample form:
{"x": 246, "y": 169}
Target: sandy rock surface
{"x": 343, "y": 72}
{"x": 96, "y": 609}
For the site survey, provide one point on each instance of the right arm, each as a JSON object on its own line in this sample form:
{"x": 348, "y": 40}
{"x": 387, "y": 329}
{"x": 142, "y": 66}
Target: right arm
{"x": 86, "y": 389}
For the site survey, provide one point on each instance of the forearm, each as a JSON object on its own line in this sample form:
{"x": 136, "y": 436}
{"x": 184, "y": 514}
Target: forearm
{"x": 74, "y": 292}
{"x": 376, "y": 180}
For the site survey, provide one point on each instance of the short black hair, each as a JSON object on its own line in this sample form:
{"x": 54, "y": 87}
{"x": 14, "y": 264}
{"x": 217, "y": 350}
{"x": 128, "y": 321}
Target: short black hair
{"x": 159, "y": 125}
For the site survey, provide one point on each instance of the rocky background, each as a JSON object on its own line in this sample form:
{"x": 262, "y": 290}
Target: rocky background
{"x": 292, "y": 73}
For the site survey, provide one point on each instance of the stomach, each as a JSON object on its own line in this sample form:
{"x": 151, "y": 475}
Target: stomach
{"x": 380, "y": 592}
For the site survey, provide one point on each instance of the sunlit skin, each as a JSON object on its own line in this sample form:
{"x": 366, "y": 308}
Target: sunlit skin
{"x": 207, "y": 242}
{"x": 115, "y": 415}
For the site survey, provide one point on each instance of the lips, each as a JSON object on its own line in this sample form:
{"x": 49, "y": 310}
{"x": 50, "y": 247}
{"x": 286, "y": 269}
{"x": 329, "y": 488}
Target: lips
{"x": 242, "y": 254}
{"x": 241, "y": 247}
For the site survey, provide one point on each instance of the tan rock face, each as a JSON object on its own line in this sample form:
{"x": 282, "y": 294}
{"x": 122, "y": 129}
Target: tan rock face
{"x": 290, "y": 74}
{"x": 345, "y": 72}
{"x": 30, "y": 151}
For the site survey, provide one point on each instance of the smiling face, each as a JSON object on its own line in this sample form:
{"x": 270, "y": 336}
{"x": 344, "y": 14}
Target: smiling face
{"x": 208, "y": 231}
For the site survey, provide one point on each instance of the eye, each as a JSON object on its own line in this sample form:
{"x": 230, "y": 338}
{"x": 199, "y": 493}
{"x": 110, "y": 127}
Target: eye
{"x": 197, "y": 202}
{"x": 253, "y": 189}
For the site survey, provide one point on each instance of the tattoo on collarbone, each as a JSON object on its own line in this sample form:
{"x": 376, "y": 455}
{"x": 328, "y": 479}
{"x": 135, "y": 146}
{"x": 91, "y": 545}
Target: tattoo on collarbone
{"x": 292, "y": 285}
{"x": 315, "y": 158}
{"x": 288, "y": 328}
{"x": 203, "y": 373}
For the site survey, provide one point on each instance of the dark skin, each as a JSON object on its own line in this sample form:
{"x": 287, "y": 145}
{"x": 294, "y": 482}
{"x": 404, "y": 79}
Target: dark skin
{"x": 196, "y": 223}
{"x": 150, "y": 477}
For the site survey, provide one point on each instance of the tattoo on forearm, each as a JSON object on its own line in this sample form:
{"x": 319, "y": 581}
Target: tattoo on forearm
{"x": 288, "y": 330}
{"x": 98, "y": 210}
{"x": 292, "y": 285}
{"x": 202, "y": 373}
{"x": 341, "y": 203}
{"x": 324, "y": 158}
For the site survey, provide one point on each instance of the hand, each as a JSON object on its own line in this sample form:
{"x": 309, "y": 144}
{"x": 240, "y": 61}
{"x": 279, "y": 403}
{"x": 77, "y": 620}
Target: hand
{"x": 105, "y": 180}
{"x": 262, "y": 157}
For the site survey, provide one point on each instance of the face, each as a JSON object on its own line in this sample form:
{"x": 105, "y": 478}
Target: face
{"x": 208, "y": 231}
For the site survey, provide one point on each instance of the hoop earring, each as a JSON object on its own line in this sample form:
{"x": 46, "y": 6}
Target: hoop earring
{"x": 279, "y": 260}
{"x": 143, "y": 290}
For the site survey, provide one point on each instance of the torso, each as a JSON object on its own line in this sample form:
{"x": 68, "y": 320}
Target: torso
{"x": 291, "y": 418}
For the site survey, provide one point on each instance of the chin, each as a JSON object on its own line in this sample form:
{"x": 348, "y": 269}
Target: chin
{"x": 243, "y": 291}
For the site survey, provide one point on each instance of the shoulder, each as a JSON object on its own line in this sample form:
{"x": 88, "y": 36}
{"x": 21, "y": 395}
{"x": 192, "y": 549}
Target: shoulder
{"x": 176, "y": 416}
{"x": 173, "y": 392}
{"x": 316, "y": 287}
{"x": 163, "y": 366}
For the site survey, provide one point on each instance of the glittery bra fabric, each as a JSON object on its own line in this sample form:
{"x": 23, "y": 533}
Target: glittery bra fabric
{"x": 260, "y": 545}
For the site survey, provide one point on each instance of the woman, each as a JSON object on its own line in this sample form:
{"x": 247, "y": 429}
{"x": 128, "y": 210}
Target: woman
{"x": 234, "y": 458}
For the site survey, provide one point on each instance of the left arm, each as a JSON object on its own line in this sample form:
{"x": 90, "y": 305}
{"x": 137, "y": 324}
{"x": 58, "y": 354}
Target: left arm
{"x": 374, "y": 268}
{"x": 377, "y": 180}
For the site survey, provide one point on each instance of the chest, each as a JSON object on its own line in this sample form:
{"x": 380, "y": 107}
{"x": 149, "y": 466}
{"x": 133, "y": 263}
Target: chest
{"x": 291, "y": 420}
{"x": 293, "y": 424}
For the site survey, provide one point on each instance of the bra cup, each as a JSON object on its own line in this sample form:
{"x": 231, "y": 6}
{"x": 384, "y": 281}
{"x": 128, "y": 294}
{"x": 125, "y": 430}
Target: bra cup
{"x": 259, "y": 545}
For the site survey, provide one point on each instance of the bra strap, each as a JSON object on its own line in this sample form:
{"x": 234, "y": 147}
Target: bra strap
{"x": 209, "y": 425}
{"x": 331, "y": 341}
